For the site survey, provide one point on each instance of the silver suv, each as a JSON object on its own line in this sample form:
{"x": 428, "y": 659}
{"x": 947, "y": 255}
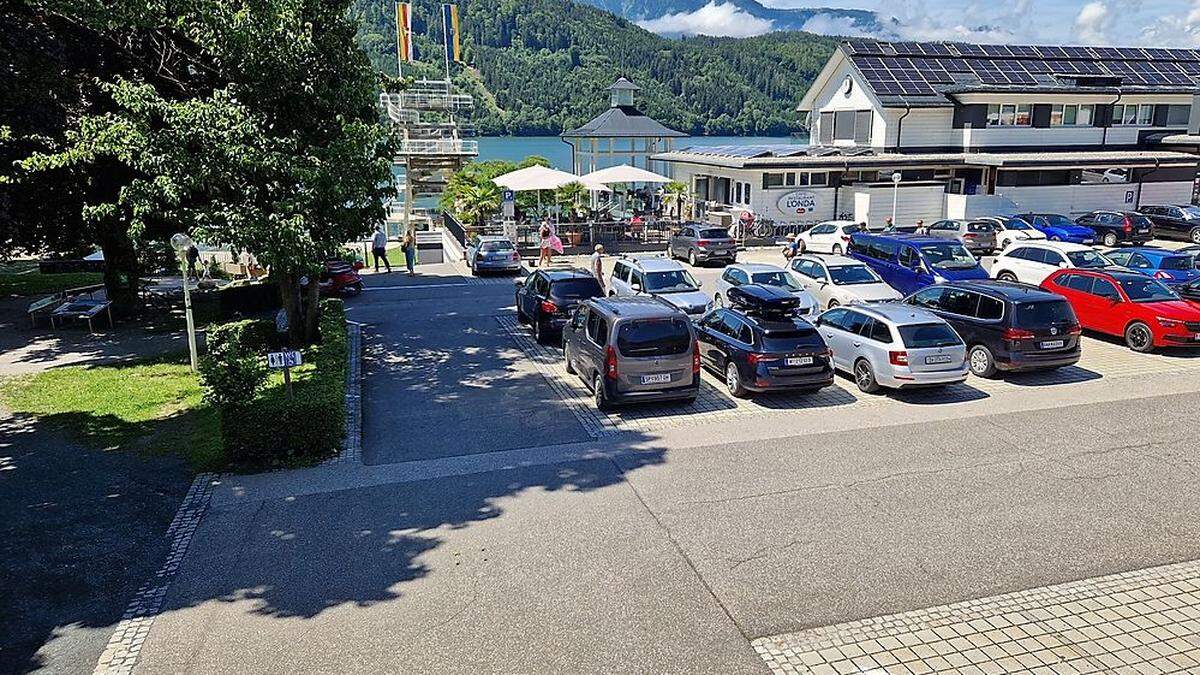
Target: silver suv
{"x": 893, "y": 345}
{"x": 632, "y": 349}
{"x": 662, "y": 278}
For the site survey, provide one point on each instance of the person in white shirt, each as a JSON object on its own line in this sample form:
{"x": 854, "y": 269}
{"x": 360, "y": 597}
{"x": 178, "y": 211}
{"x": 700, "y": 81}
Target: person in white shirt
{"x": 598, "y": 264}
{"x": 379, "y": 248}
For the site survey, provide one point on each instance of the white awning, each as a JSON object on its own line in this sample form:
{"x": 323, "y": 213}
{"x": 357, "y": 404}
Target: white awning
{"x": 625, "y": 174}
{"x": 543, "y": 178}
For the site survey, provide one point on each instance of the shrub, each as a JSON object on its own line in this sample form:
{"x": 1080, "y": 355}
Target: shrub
{"x": 233, "y": 368}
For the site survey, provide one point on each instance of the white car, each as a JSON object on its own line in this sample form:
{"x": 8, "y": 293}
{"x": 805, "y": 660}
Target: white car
{"x": 766, "y": 275}
{"x": 838, "y": 280}
{"x": 1030, "y": 262}
{"x": 661, "y": 278}
{"x": 830, "y": 237}
{"x": 1009, "y": 230}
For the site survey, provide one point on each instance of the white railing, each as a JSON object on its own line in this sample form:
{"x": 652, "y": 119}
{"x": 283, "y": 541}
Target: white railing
{"x": 425, "y": 100}
{"x": 440, "y": 146}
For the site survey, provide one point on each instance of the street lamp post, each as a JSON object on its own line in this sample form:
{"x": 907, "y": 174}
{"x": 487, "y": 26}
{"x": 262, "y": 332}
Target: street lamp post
{"x": 181, "y": 243}
{"x": 895, "y": 193}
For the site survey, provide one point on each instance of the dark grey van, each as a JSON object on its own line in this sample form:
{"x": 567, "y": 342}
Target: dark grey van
{"x": 633, "y": 349}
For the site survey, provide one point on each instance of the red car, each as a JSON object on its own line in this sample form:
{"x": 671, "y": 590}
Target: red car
{"x": 1126, "y": 304}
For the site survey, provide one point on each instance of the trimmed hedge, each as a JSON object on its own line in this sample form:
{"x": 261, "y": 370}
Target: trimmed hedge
{"x": 273, "y": 429}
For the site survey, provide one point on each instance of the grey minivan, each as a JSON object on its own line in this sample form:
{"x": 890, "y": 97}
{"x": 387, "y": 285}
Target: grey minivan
{"x": 631, "y": 350}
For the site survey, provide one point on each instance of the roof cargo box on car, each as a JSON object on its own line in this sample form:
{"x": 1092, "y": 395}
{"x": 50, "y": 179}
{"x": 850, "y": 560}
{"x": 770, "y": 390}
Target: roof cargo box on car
{"x": 760, "y": 299}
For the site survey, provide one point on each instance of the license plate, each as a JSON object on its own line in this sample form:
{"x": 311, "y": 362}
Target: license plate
{"x": 940, "y": 358}
{"x": 800, "y": 361}
{"x": 1143, "y": 230}
{"x": 1089, "y": 241}
{"x": 656, "y": 379}
{"x": 1053, "y": 344}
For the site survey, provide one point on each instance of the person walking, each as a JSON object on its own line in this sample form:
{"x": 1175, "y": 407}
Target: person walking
{"x": 921, "y": 229}
{"x": 598, "y": 264}
{"x": 379, "y": 248}
{"x": 409, "y": 246}
{"x": 193, "y": 256}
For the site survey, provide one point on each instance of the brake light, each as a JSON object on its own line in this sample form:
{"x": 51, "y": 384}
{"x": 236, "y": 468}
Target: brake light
{"x": 610, "y": 363}
{"x": 1018, "y": 334}
{"x": 845, "y": 238}
{"x": 703, "y": 242}
{"x": 1074, "y": 329}
{"x": 970, "y": 235}
{"x": 1128, "y": 224}
{"x": 898, "y": 358}
{"x": 1161, "y": 275}
{"x": 754, "y": 359}
{"x": 549, "y": 307}
{"x": 695, "y": 358}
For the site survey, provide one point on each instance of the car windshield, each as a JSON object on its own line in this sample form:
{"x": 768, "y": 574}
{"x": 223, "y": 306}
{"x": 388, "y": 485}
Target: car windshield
{"x": 1088, "y": 259}
{"x": 1191, "y": 212}
{"x": 1016, "y": 224}
{"x": 780, "y": 279}
{"x": 654, "y": 337}
{"x": 948, "y": 256}
{"x": 493, "y": 246}
{"x": 1147, "y": 290}
{"x": 849, "y": 275}
{"x": 926, "y": 335}
{"x": 1044, "y": 312}
{"x": 1055, "y": 220}
{"x": 1177, "y": 262}
{"x": 714, "y": 234}
{"x": 576, "y": 289}
{"x": 675, "y": 281}
{"x": 789, "y": 339}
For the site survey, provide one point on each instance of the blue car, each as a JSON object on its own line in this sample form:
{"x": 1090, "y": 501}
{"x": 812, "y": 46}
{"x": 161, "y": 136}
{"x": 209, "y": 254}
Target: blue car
{"x": 1170, "y": 267}
{"x": 1060, "y": 228}
{"x": 909, "y": 262}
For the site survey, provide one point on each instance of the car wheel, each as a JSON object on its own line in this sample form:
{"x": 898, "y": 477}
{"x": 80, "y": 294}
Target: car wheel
{"x": 1110, "y": 239}
{"x": 1006, "y": 276}
{"x": 733, "y": 380}
{"x": 1195, "y": 235}
{"x": 570, "y": 368}
{"x": 692, "y": 258}
{"x": 837, "y": 249}
{"x": 598, "y": 394}
{"x": 539, "y": 331}
{"x": 1055, "y": 238}
{"x": 833, "y": 303}
{"x": 864, "y": 377}
{"x": 983, "y": 363}
{"x": 521, "y": 318}
{"x": 1139, "y": 338}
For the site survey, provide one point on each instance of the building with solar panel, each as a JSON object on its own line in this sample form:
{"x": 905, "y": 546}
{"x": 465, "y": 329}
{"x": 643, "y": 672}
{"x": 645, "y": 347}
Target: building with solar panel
{"x": 969, "y": 130}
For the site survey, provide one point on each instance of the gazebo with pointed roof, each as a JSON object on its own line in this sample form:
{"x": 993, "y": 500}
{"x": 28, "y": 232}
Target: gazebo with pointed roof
{"x": 622, "y": 134}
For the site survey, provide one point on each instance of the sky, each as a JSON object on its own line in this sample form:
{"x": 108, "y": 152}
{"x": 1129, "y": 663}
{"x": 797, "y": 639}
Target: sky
{"x": 1159, "y": 23}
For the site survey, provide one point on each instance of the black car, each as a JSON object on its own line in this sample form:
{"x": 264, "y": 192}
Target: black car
{"x": 1189, "y": 291}
{"x": 547, "y": 298}
{"x": 1175, "y": 221}
{"x": 1119, "y": 227}
{"x": 1006, "y": 326}
{"x": 758, "y": 343}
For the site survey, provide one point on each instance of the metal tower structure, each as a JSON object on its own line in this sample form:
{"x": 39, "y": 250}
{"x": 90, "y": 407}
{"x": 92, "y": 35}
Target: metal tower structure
{"x": 432, "y": 146}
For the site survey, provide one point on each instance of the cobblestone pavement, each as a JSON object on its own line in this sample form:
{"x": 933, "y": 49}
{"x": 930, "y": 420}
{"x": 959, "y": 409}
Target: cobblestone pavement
{"x": 1147, "y": 621}
{"x": 1101, "y": 359}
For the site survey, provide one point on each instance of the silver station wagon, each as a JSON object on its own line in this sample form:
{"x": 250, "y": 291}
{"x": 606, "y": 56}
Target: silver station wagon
{"x": 894, "y": 346}
{"x": 633, "y": 349}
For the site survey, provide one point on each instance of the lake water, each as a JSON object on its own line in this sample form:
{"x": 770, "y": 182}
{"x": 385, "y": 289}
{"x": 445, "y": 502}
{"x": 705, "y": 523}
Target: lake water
{"x": 517, "y": 148}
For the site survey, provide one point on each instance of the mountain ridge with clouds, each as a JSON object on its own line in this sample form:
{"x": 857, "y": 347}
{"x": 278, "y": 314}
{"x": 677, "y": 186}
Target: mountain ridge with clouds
{"x": 742, "y": 18}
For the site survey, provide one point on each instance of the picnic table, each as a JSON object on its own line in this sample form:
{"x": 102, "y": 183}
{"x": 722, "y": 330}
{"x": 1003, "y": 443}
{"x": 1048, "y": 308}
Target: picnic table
{"x": 46, "y": 306}
{"x": 82, "y": 309}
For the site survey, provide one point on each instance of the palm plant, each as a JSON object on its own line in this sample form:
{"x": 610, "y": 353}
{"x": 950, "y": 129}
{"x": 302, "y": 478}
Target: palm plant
{"x": 675, "y": 193}
{"x": 569, "y": 195}
{"x": 476, "y": 202}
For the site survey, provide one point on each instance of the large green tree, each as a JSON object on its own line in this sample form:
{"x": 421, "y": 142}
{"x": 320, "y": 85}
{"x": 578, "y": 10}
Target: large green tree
{"x": 268, "y": 140}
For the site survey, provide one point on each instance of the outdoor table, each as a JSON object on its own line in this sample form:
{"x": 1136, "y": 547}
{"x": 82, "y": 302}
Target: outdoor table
{"x": 84, "y": 308}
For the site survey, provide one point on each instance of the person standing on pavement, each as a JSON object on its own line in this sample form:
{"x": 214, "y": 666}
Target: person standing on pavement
{"x": 193, "y": 255}
{"x": 379, "y": 248}
{"x": 598, "y": 264}
{"x": 921, "y": 229}
{"x": 888, "y": 225}
{"x": 409, "y": 246}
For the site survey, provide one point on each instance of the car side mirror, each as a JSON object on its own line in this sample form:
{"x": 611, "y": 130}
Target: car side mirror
{"x": 1063, "y": 265}
{"x": 518, "y": 282}
{"x": 636, "y": 287}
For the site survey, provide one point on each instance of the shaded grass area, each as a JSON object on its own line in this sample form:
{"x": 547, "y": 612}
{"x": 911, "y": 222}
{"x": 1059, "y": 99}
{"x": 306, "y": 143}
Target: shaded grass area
{"x": 23, "y": 278}
{"x": 156, "y": 407}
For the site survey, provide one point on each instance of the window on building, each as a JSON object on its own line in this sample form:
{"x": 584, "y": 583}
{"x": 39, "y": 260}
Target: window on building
{"x": 773, "y": 180}
{"x": 1130, "y": 114}
{"x": 789, "y": 179}
{"x": 843, "y": 125}
{"x": 862, "y": 126}
{"x": 1010, "y": 115}
{"x": 819, "y": 178}
{"x": 1178, "y": 115}
{"x": 1145, "y": 115}
{"x": 1072, "y": 115}
{"x": 825, "y": 129}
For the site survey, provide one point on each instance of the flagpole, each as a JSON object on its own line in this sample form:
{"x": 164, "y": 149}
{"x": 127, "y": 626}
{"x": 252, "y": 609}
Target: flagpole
{"x": 446, "y": 34}
{"x": 399, "y": 44}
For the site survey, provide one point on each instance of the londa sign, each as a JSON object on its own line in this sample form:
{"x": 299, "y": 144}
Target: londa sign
{"x": 798, "y": 202}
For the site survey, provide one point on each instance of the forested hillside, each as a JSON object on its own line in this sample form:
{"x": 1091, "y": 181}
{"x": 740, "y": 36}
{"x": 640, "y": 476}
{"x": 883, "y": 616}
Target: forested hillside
{"x": 542, "y": 66}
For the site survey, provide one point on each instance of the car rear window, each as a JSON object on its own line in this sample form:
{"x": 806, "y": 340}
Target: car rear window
{"x": 789, "y": 339}
{"x": 980, "y": 227}
{"x": 714, "y": 233}
{"x": 1176, "y": 262}
{"x": 576, "y": 289}
{"x": 654, "y": 337}
{"x": 1139, "y": 220}
{"x": 1044, "y": 312}
{"x": 496, "y": 246}
{"x": 925, "y": 335}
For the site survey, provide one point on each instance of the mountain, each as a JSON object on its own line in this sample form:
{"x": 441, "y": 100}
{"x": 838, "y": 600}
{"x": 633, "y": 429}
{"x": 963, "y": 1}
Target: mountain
{"x": 543, "y": 66}
{"x": 826, "y": 20}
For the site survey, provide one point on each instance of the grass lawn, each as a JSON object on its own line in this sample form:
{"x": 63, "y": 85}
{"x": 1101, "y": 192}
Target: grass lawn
{"x": 150, "y": 407}
{"x": 23, "y": 278}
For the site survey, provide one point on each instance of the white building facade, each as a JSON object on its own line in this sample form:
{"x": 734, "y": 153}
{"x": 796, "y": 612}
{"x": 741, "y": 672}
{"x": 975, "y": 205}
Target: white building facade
{"x": 969, "y": 130}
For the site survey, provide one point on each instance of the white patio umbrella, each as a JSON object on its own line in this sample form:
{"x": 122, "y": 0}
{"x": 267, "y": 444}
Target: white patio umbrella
{"x": 624, "y": 173}
{"x": 538, "y": 178}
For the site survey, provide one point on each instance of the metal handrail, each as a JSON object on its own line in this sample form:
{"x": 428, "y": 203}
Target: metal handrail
{"x": 426, "y": 100}
{"x": 438, "y": 146}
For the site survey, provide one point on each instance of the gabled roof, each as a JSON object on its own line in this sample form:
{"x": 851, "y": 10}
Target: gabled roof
{"x": 625, "y": 84}
{"x": 930, "y": 73}
{"x": 623, "y": 121}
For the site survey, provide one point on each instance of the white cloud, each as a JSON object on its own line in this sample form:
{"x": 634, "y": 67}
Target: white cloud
{"x": 1174, "y": 30}
{"x": 1093, "y": 22}
{"x": 827, "y": 24}
{"x": 723, "y": 19}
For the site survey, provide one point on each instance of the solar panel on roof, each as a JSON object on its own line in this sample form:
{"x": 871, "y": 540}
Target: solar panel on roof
{"x": 1077, "y": 52}
{"x": 997, "y": 50}
{"x": 936, "y": 49}
{"x": 955, "y": 65}
{"x": 969, "y": 49}
{"x": 1023, "y": 50}
{"x": 1159, "y": 53}
{"x": 1051, "y": 52}
{"x": 1037, "y": 66}
{"x": 1106, "y": 52}
{"x": 908, "y": 48}
{"x": 1132, "y": 52}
